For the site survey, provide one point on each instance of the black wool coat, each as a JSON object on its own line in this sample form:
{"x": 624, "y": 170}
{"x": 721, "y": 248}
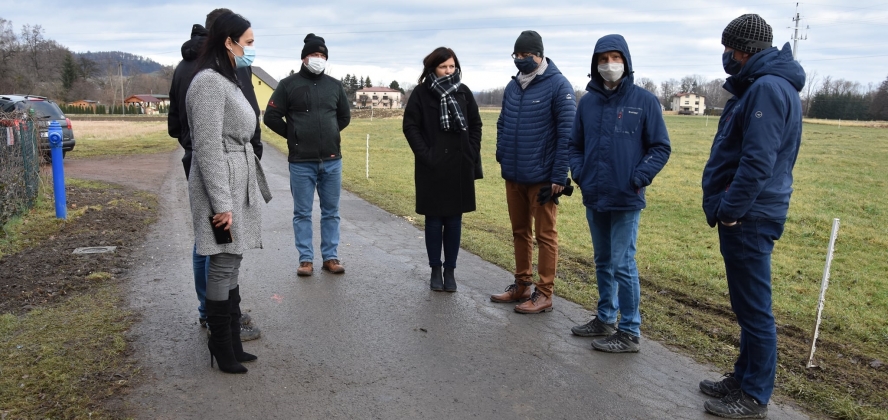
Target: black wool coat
{"x": 445, "y": 161}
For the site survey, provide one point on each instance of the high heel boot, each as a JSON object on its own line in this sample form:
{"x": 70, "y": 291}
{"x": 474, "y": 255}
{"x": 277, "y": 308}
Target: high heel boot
{"x": 219, "y": 323}
{"x": 234, "y": 311}
{"x": 436, "y": 283}
{"x": 449, "y": 280}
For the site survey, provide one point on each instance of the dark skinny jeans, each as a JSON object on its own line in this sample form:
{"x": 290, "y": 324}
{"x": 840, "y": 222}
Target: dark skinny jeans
{"x": 446, "y": 230}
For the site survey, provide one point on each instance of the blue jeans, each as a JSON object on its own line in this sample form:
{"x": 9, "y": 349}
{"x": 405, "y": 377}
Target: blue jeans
{"x": 201, "y": 266}
{"x": 613, "y": 241}
{"x": 446, "y": 230}
{"x": 746, "y": 248}
{"x": 326, "y": 178}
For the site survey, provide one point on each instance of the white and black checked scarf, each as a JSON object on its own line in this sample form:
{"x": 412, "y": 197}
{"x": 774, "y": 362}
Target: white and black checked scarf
{"x": 445, "y": 86}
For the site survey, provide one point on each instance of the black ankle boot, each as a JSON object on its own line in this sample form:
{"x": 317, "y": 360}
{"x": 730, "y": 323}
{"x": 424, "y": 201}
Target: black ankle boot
{"x": 234, "y": 311}
{"x": 219, "y": 324}
{"x": 436, "y": 283}
{"x": 449, "y": 280}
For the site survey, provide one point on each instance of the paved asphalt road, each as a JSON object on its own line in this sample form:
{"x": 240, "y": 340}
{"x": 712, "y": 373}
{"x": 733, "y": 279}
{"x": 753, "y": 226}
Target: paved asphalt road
{"x": 376, "y": 343}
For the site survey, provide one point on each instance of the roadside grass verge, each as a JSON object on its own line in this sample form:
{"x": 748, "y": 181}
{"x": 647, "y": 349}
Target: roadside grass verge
{"x": 120, "y": 138}
{"x": 67, "y": 358}
{"x": 840, "y": 173}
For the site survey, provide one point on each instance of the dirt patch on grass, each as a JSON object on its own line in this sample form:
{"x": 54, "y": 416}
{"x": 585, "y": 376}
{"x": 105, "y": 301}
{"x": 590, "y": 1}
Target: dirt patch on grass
{"x": 48, "y": 270}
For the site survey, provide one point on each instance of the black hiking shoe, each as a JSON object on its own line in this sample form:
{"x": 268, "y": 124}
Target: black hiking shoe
{"x": 736, "y": 405}
{"x": 618, "y": 342}
{"x": 721, "y": 388}
{"x": 594, "y": 328}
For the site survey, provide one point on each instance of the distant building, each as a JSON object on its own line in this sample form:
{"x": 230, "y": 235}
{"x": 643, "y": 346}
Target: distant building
{"x": 84, "y": 103}
{"x": 689, "y": 103}
{"x": 264, "y": 85}
{"x": 378, "y": 97}
{"x": 148, "y": 102}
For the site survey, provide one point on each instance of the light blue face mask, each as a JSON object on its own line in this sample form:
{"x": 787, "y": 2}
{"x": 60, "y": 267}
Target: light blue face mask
{"x": 245, "y": 60}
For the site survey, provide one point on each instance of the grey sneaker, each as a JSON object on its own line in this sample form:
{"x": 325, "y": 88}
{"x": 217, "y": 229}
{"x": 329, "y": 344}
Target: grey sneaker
{"x": 618, "y": 342}
{"x": 594, "y": 328}
{"x": 245, "y": 319}
{"x": 721, "y": 388}
{"x": 736, "y": 405}
{"x": 249, "y": 332}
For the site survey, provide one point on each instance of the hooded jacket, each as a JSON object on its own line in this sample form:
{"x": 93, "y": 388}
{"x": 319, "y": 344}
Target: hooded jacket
{"x": 619, "y": 141}
{"x": 533, "y": 129}
{"x": 177, "y": 119}
{"x": 749, "y": 172}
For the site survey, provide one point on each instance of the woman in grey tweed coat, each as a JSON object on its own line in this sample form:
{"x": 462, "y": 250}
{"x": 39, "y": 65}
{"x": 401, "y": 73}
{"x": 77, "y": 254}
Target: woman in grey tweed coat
{"x": 226, "y": 180}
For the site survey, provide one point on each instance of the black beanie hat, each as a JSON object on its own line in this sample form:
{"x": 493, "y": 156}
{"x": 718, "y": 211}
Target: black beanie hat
{"x": 748, "y": 33}
{"x": 529, "y": 42}
{"x": 313, "y": 44}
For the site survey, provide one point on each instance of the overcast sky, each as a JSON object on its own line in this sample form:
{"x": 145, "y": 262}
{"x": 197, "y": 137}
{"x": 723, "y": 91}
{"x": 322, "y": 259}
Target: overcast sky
{"x": 387, "y": 40}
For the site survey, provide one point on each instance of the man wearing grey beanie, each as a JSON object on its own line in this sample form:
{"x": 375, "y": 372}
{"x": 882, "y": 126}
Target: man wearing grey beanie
{"x": 531, "y": 147}
{"x": 747, "y": 183}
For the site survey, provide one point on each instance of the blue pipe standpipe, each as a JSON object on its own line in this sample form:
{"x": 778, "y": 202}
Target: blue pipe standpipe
{"x": 58, "y": 170}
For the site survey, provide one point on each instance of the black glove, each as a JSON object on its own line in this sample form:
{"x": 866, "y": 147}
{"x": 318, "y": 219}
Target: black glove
{"x": 545, "y": 194}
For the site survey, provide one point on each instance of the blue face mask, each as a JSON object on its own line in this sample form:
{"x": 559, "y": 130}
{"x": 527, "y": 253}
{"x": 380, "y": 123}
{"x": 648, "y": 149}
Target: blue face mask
{"x": 526, "y": 65}
{"x": 731, "y": 65}
{"x": 245, "y": 60}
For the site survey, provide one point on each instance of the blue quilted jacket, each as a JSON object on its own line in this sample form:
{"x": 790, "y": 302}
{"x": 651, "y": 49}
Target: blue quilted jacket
{"x": 534, "y": 127}
{"x": 619, "y": 141}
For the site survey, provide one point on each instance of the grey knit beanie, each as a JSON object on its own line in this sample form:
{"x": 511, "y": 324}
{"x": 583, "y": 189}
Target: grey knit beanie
{"x": 748, "y": 33}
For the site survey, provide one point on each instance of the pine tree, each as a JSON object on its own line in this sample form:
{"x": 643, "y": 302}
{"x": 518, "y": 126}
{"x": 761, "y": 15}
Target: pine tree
{"x": 367, "y": 82}
{"x": 879, "y": 108}
{"x": 69, "y": 73}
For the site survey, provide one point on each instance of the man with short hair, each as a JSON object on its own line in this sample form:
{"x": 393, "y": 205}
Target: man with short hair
{"x": 747, "y": 184}
{"x": 309, "y": 109}
{"x": 619, "y": 143}
{"x": 531, "y": 146}
{"x": 177, "y": 126}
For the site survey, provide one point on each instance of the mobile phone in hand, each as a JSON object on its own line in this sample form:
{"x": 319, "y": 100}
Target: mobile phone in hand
{"x": 222, "y": 236}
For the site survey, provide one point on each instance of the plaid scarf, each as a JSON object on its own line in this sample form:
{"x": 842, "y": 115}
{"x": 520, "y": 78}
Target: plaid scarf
{"x": 445, "y": 87}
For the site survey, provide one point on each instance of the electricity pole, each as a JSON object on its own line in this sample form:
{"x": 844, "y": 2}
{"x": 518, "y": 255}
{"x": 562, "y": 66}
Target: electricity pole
{"x": 795, "y": 36}
{"x": 122, "y": 94}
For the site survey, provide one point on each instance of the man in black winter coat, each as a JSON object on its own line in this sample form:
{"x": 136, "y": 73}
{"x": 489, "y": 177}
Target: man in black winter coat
{"x": 177, "y": 126}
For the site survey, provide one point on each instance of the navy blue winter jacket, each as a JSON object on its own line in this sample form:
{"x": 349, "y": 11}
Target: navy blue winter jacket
{"x": 619, "y": 141}
{"x": 533, "y": 129}
{"x": 749, "y": 172}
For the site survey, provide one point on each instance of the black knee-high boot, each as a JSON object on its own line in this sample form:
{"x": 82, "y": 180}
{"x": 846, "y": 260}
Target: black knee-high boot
{"x": 219, "y": 323}
{"x": 234, "y": 311}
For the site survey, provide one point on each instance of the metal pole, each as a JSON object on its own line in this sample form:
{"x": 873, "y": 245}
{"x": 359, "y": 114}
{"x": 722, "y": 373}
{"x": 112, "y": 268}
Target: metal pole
{"x": 58, "y": 170}
{"x": 368, "y": 157}
{"x": 823, "y": 285}
{"x": 122, "y": 95}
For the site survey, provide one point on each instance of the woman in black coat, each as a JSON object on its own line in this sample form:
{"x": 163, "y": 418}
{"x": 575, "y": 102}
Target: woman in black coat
{"x": 443, "y": 127}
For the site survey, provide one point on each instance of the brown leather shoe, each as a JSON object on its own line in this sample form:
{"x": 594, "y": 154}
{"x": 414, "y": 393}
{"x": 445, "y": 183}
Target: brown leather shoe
{"x": 305, "y": 269}
{"x": 537, "y": 303}
{"x": 333, "y": 266}
{"x": 516, "y": 292}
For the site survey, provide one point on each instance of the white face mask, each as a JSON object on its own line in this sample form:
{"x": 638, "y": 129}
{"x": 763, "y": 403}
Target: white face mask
{"x": 611, "y": 72}
{"x": 316, "y": 64}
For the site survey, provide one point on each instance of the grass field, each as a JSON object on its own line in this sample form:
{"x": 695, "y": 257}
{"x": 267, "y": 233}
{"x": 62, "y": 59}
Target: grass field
{"x": 103, "y": 138}
{"x": 840, "y": 174}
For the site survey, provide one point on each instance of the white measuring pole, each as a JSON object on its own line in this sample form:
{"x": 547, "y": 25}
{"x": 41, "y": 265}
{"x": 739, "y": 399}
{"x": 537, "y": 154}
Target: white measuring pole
{"x": 823, "y": 285}
{"x": 368, "y": 157}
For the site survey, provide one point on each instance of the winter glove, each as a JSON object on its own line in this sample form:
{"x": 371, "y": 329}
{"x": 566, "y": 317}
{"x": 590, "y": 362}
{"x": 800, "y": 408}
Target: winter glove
{"x": 545, "y": 193}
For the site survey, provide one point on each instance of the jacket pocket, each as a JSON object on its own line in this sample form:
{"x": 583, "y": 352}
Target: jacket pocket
{"x": 301, "y": 99}
{"x": 628, "y": 120}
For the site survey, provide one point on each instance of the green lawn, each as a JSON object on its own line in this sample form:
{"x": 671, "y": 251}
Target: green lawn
{"x": 841, "y": 173}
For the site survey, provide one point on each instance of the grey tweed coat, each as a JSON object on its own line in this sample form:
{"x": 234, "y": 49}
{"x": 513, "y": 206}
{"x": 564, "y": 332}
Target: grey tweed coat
{"x": 225, "y": 174}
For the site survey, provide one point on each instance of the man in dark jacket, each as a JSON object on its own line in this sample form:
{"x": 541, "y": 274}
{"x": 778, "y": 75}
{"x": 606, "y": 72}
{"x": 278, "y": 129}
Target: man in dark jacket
{"x": 309, "y": 109}
{"x": 618, "y": 144}
{"x": 531, "y": 146}
{"x": 177, "y": 126}
{"x": 747, "y": 183}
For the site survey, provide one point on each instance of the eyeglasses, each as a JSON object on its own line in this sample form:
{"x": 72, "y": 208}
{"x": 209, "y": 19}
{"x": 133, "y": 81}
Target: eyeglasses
{"x": 516, "y": 56}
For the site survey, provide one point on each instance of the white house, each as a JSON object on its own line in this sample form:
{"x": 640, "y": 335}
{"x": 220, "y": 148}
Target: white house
{"x": 378, "y": 97}
{"x": 689, "y": 103}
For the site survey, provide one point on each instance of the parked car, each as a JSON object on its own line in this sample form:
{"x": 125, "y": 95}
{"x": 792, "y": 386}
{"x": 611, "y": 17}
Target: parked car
{"x": 45, "y": 111}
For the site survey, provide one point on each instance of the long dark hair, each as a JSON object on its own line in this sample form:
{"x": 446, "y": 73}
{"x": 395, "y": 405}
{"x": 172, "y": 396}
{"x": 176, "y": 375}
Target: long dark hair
{"x": 433, "y": 60}
{"x": 214, "y": 55}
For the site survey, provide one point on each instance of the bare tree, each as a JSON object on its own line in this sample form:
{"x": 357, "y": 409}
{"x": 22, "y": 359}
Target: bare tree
{"x": 809, "y": 90}
{"x": 668, "y": 89}
{"x": 648, "y": 85}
